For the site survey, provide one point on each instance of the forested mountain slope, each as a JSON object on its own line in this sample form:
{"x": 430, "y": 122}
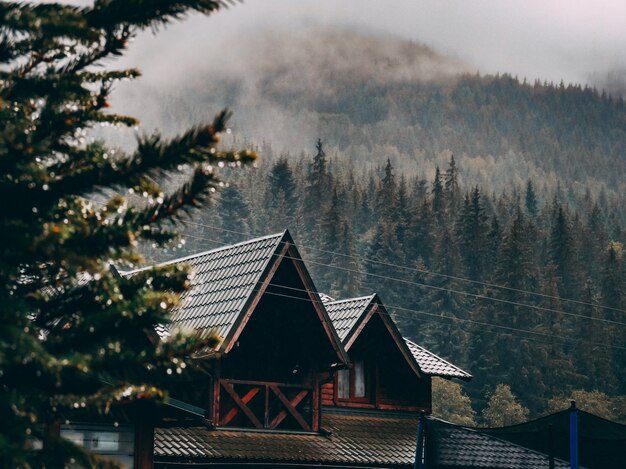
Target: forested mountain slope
{"x": 372, "y": 97}
{"x": 486, "y": 211}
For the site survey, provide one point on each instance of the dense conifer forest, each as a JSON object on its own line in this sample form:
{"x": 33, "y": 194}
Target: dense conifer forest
{"x": 486, "y": 210}
{"x": 523, "y": 287}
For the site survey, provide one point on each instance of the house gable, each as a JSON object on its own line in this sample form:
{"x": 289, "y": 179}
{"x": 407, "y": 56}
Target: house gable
{"x": 383, "y": 373}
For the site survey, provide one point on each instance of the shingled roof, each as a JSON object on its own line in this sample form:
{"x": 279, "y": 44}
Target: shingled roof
{"x": 345, "y": 313}
{"x": 454, "y": 446}
{"x": 225, "y": 282}
{"x": 353, "y": 438}
{"x": 434, "y": 365}
{"x": 223, "y": 279}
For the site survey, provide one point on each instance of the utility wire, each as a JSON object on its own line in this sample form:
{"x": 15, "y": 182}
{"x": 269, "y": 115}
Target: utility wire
{"x": 449, "y": 290}
{"x": 411, "y": 312}
{"x": 428, "y": 272}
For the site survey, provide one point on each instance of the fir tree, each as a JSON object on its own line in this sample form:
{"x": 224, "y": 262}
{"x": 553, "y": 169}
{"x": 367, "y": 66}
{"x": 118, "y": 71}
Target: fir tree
{"x": 73, "y": 331}
{"x": 472, "y": 234}
{"x": 387, "y": 196}
{"x": 563, "y": 254}
{"x": 282, "y": 205}
{"x": 447, "y": 337}
{"x": 453, "y": 195}
{"x": 331, "y": 228}
{"x": 530, "y": 200}
{"x": 233, "y": 212}
{"x": 317, "y": 192}
{"x": 346, "y": 282}
{"x": 438, "y": 199}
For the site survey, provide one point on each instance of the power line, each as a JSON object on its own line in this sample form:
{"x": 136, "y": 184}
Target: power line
{"x": 411, "y": 312}
{"x": 428, "y": 272}
{"x": 449, "y": 290}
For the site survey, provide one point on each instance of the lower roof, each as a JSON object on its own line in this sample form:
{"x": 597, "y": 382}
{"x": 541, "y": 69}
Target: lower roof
{"x": 352, "y": 439}
{"x": 369, "y": 439}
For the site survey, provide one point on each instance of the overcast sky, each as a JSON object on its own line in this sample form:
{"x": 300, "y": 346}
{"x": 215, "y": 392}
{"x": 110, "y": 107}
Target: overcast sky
{"x": 546, "y": 39}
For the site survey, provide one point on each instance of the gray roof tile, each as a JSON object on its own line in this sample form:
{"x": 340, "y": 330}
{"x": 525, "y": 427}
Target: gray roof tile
{"x": 455, "y": 446}
{"x": 354, "y": 439}
{"x": 364, "y": 438}
{"x": 433, "y": 365}
{"x": 345, "y": 313}
{"x": 223, "y": 279}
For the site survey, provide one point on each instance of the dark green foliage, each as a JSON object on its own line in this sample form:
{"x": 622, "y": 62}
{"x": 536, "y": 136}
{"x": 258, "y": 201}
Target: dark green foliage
{"x": 483, "y": 288}
{"x": 74, "y": 332}
{"x": 233, "y": 211}
{"x": 472, "y": 234}
{"x": 530, "y": 200}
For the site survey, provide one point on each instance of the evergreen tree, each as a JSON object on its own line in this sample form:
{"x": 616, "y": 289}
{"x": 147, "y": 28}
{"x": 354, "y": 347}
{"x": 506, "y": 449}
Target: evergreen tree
{"x": 472, "y": 234}
{"x": 233, "y": 212}
{"x": 447, "y": 336}
{"x": 494, "y": 238}
{"x": 593, "y": 337}
{"x": 73, "y": 331}
{"x": 384, "y": 249}
{"x": 595, "y": 243}
{"x": 281, "y": 181}
{"x": 330, "y": 226}
{"x": 452, "y": 192}
{"x": 532, "y": 206}
{"x": 563, "y": 254}
{"x": 346, "y": 281}
{"x": 387, "y": 196}
{"x": 282, "y": 196}
{"x": 317, "y": 192}
{"x": 421, "y": 241}
{"x": 438, "y": 199}
{"x": 559, "y": 369}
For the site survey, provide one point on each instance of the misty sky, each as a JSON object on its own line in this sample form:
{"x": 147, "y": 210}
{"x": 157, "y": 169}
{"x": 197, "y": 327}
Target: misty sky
{"x": 549, "y": 39}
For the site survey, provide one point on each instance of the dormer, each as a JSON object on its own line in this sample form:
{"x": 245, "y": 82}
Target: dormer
{"x": 277, "y": 342}
{"x": 386, "y": 370}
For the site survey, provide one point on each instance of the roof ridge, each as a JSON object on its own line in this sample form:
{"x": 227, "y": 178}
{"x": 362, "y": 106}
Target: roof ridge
{"x": 204, "y": 253}
{"x": 434, "y": 354}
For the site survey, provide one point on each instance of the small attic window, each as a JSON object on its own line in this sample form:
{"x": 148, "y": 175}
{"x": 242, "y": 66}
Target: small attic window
{"x": 352, "y": 382}
{"x": 343, "y": 384}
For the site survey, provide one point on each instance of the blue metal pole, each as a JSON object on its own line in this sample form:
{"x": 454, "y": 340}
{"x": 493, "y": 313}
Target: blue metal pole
{"x": 573, "y": 436}
{"x": 419, "y": 443}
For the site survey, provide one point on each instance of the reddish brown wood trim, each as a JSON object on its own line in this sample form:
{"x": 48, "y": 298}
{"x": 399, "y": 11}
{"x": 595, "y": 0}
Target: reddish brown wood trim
{"x": 363, "y": 320}
{"x": 262, "y": 383}
{"x": 356, "y": 405}
{"x": 232, "y": 413}
{"x": 292, "y": 410}
{"x": 216, "y": 394}
{"x": 316, "y": 301}
{"x": 246, "y": 410}
{"x": 259, "y": 294}
{"x": 315, "y": 421}
{"x": 283, "y": 413}
{"x": 404, "y": 408}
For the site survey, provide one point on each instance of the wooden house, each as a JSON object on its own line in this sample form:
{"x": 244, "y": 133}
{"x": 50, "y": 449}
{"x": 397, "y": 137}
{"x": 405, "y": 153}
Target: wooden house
{"x": 298, "y": 380}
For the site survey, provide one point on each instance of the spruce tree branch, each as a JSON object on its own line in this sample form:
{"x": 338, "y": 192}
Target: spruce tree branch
{"x": 147, "y": 13}
{"x": 153, "y": 156}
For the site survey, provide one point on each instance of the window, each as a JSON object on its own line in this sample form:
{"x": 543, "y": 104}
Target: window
{"x": 116, "y": 442}
{"x": 352, "y": 382}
